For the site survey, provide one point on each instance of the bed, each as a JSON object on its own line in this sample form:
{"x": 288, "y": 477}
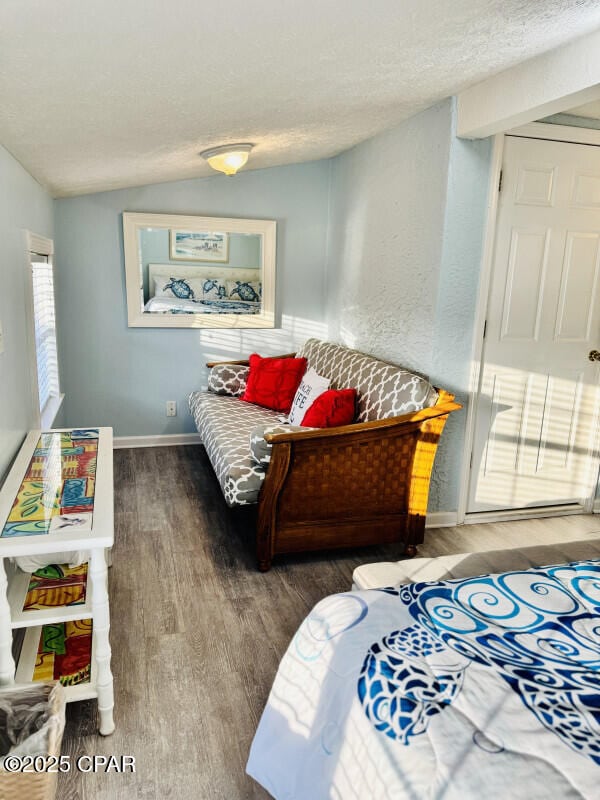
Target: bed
{"x": 166, "y": 305}
{"x": 174, "y": 289}
{"x": 467, "y": 688}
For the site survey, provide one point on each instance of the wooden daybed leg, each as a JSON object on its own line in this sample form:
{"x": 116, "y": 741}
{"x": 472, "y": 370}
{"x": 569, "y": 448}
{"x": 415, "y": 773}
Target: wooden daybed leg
{"x": 264, "y": 554}
{"x": 264, "y": 533}
{"x": 415, "y": 534}
{"x": 267, "y": 504}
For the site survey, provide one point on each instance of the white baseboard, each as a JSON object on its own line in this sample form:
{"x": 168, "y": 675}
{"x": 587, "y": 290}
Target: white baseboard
{"x": 157, "y": 440}
{"x": 441, "y": 519}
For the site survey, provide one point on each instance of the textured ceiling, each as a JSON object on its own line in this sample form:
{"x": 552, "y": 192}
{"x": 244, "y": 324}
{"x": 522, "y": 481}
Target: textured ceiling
{"x": 101, "y": 94}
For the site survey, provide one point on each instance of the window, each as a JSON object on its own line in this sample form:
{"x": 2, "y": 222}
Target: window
{"x": 44, "y": 330}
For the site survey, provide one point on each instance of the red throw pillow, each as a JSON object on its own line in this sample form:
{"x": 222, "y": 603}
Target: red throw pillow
{"x": 272, "y": 382}
{"x": 332, "y": 408}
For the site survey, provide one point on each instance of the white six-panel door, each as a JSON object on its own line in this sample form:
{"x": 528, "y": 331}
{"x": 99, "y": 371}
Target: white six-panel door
{"x": 537, "y": 415}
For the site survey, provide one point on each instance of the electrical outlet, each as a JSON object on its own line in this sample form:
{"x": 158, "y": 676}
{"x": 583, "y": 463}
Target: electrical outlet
{"x": 171, "y": 408}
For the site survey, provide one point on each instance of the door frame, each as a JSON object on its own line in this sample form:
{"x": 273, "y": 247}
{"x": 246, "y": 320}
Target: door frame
{"x": 534, "y": 130}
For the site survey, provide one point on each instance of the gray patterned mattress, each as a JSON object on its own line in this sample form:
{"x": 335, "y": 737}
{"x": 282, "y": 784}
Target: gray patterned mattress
{"x": 225, "y": 423}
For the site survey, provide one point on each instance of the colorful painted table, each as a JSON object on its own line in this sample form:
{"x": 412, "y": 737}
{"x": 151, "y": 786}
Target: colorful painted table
{"x": 58, "y": 498}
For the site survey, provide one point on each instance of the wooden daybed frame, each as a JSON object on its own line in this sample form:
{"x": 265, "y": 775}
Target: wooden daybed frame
{"x": 360, "y": 484}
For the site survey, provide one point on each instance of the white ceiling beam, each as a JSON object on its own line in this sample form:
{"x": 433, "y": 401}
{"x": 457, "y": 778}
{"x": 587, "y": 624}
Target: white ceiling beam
{"x": 548, "y": 84}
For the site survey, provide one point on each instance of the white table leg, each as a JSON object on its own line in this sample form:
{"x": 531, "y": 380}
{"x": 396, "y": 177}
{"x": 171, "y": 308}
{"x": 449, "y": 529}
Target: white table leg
{"x": 100, "y": 611}
{"x": 7, "y": 664}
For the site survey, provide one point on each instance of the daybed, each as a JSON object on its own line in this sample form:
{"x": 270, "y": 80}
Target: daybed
{"x": 359, "y": 484}
{"x": 457, "y": 689}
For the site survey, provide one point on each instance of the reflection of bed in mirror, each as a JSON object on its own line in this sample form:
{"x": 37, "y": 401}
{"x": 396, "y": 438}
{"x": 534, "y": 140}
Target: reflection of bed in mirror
{"x": 187, "y": 289}
{"x": 167, "y": 290}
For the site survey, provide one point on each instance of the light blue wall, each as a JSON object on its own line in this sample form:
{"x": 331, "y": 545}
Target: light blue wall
{"x": 24, "y": 205}
{"x": 387, "y": 218}
{"x": 378, "y": 248}
{"x": 119, "y": 376}
{"x": 463, "y": 238}
{"x": 406, "y": 234}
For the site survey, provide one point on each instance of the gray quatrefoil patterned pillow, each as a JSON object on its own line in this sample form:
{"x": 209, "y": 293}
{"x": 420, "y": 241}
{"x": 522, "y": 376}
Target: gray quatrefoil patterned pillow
{"x": 228, "y": 379}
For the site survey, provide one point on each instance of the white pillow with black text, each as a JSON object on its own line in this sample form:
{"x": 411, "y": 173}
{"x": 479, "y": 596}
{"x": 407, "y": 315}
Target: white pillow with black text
{"x": 311, "y": 386}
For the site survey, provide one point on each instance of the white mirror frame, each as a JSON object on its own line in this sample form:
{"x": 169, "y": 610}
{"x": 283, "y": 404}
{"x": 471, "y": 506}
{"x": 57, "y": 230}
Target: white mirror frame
{"x": 136, "y": 318}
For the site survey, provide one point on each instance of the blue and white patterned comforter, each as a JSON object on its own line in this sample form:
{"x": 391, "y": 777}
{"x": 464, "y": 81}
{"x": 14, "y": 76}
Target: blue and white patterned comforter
{"x": 175, "y": 305}
{"x": 487, "y": 687}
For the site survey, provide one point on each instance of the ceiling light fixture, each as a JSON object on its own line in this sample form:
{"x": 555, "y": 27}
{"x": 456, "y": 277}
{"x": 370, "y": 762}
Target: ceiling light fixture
{"x": 228, "y": 158}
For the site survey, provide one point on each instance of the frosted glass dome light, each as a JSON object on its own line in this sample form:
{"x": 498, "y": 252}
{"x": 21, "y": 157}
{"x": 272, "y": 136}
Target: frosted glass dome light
{"x": 228, "y": 158}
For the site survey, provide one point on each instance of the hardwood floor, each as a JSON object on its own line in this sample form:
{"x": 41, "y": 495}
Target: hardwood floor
{"x": 197, "y": 632}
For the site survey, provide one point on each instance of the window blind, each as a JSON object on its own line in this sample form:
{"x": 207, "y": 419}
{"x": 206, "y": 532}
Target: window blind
{"x": 45, "y": 329}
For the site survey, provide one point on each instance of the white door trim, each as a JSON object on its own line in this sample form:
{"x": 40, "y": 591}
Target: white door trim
{"x": 524, "y": 513}
{"x": 487, "y": 259}
{"x": 534, "y": 130}
{"x": 557, "y": 133}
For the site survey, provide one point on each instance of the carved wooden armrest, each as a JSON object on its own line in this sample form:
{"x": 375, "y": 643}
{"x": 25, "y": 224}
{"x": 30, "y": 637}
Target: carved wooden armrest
{"x": 405, "y": 420}
{"x": 241, "y": 362}
{"x": 244, "y": 361}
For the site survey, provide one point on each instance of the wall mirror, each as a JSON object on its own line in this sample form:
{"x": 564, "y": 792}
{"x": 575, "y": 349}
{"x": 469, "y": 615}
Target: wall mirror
{"x": 199, "y": 272}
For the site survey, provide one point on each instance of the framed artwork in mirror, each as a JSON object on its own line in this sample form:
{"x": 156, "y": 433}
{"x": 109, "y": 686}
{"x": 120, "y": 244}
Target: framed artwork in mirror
{"x": 199, "y": 246}
{"x": 199, "y": 272}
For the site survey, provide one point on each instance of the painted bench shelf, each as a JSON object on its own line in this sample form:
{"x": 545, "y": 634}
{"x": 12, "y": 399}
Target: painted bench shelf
{"x": 58, "y": 499}
{"x": 18, "y": 588}
{"x": 84, "y": 690}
